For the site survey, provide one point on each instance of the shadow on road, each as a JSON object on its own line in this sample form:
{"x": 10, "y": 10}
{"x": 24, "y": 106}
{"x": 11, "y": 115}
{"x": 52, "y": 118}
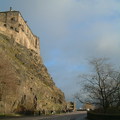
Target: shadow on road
{"x": 79, "y": 115}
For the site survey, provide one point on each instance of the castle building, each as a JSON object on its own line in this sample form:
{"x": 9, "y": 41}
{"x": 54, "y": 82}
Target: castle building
{"x": 13, "y": 25}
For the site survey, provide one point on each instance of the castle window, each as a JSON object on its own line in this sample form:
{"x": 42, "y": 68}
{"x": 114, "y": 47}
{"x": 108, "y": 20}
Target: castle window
{"x": 19, "y": 25}
{"x": 31, "y": 89}
{"x": 11, "y": 27}
{"x": 35, "y": 43}
{"x": 13, "y": 19}
{"x": 5, "y": 25}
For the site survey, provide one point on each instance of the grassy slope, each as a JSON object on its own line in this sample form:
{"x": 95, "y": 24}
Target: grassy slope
{"x": 33, "y": 79}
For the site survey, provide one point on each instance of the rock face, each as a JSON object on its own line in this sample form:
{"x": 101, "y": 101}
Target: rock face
{"x": 25, "y": 84}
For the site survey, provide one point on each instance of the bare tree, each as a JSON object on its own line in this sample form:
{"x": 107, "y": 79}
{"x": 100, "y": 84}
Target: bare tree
{"x": 101, "y": 86}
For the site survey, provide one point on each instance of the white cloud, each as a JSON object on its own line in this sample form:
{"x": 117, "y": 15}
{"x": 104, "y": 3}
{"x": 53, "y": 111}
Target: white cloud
{"x": 76, "y": 29}
{"x": 109, "y": 44}
{"x": 80, "y": 29}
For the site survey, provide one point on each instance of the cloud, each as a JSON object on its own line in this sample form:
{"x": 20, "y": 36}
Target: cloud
{"x": 81, "y": 29}
{"x": 70, "y": 32}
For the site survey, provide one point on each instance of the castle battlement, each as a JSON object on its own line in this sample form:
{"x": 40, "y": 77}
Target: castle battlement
{"x": 14, "y": 26}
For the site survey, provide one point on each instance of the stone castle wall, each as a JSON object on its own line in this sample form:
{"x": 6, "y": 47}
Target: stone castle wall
{"x": 14, "y": 26}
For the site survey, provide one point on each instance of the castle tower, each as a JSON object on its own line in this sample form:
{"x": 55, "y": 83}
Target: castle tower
{"x": 14, "y": 26}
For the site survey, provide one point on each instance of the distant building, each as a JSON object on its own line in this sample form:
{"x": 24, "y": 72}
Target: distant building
{"x": 88, "y": 106}
{"x": 71, "y": 106}
{"x": 15, "y": 27}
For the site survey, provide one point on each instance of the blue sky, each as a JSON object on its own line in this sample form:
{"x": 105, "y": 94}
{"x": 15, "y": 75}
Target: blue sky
{"x": 71, "y": 32}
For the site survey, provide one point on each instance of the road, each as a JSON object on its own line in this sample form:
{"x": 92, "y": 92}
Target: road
{"x": 69, "y": 116}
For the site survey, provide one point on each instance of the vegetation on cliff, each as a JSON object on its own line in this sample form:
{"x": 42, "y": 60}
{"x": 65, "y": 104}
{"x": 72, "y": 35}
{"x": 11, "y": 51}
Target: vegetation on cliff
{"x": 25, "y": 84}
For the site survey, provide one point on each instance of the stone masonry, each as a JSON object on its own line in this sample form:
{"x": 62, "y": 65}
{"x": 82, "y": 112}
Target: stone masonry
{"x": 14, "y": 26}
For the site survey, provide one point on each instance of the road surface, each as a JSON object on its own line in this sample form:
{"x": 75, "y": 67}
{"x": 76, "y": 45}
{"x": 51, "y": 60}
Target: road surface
{"x": 69, "y": 116}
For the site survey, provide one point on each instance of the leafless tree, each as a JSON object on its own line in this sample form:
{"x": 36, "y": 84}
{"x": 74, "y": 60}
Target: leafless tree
{"x": 101, "y": 86}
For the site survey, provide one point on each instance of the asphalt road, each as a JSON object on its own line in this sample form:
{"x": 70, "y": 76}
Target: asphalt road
{"x": 68, "y": 116}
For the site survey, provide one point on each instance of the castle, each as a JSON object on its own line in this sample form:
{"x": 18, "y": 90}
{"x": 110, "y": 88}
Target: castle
{"x": 14, "y": 26}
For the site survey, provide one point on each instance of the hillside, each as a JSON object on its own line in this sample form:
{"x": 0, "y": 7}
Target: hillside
{"x": 25, "y": 84}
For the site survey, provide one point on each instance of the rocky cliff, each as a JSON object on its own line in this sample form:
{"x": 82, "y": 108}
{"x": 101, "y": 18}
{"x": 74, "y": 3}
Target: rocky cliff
{"x": 25, "y": 84}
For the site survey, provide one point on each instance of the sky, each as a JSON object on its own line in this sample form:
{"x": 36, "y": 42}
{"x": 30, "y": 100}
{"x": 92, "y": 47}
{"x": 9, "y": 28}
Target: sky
{"x": 71, "y": 32}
